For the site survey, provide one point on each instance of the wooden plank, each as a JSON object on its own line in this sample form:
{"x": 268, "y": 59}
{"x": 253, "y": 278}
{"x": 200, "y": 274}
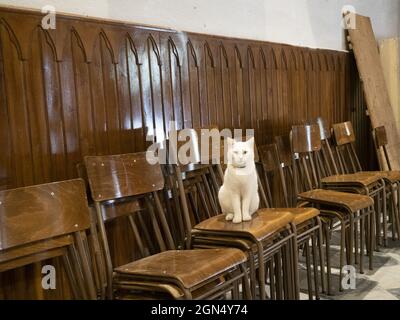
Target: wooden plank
{"x": 389, "y": 50}
{"x": 376, "y": 94}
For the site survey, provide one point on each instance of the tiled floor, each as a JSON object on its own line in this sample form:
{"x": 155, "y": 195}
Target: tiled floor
{"x": 381, "y": 283}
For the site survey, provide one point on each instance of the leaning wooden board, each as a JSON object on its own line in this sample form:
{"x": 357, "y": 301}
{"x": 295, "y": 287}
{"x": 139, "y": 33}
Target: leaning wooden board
{"x": 364, "y": 45}
{"x": 389, "y": 51}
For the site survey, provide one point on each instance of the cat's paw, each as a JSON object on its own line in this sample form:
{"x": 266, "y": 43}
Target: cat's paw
{"x": 229, "y": 217}
{"x": 237, "y": 219}
{"x": 246, "y": 217}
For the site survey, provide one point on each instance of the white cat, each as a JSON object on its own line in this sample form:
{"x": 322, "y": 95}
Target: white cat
{"x": 238, "y": 195}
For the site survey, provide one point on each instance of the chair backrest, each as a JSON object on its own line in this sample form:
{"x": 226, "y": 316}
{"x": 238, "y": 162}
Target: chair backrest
{"x": 285, "y": 156}
{"x": 306, "y": 145}
{"x": 113, "y": 177}
{"x": 305, "y": 139}
{"x": 128, "y": 185}
{"x": 380, "y": 141}
{"x": 41, "y": 212}
{"x": 284, "y": 150}
{"x": 273, "y": 173}
{"x": 344, "y": 140}
{"x": 329, "y": 156}
{"x": 47, "y": 221}
{"x": 343, "y": 133}
{"x": 324, "y": 129}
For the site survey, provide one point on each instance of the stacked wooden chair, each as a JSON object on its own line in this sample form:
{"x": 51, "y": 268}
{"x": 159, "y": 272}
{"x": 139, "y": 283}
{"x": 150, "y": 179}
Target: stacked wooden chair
{"x": 49, "y": 221}
{"x": 269, "y": 239}
{"x": 392, "y": 178}
{"x": 129, "y": 186}
{"x": 307, "y": 221}
{"x": 345, "y": 172}
{"x": 346, "y": 208}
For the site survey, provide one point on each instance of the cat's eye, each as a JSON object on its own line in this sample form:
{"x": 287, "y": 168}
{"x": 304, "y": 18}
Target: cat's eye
{"x": 244, "y": 152}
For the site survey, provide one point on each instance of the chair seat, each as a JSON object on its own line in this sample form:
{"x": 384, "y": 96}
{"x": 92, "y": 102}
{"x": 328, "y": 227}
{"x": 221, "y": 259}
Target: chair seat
{"x": 392, "y": 176}
{"x": 199, "y": 237}
{"x": 364, "y": 178}
{"x": 188, "y": 267}
{"x": 303, "y": 214}
{"x": 264, "y": 223}
{"x": 351, "y": 201}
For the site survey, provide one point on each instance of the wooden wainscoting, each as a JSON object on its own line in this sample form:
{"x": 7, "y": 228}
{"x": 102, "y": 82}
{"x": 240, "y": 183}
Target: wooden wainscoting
{"x": 92, "y": 87}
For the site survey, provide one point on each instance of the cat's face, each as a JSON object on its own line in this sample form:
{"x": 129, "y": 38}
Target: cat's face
{"x": 240, "y": 154}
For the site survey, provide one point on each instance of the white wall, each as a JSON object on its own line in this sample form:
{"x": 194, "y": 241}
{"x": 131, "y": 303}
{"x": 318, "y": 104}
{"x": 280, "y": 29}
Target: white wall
{"x": 311, "y": 23}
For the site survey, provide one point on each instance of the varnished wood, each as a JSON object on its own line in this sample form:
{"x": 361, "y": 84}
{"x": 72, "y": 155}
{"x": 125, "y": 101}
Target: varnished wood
{"x": 369, "y": 65}
{"x": 381, "y": 136}
{"x": 284, "y": 149}
{"x": 343, "y": 133}
{"x": 46, "y": 221}
{"x": 263, "y": 224}
{"x": 364, "y": 178}
{"x": 189, "y": 267}
{"x": 269, "y": 157}
{"x": 35, "y": 213}
{"x": 352, "y": 202}
{"x": 306, "y": 138}
{"x": 119, "y": 176}
{"x": 93, "y": 87}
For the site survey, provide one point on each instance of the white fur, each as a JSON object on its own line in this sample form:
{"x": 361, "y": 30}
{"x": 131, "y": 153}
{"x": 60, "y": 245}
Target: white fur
{"x": 238, "y": 195}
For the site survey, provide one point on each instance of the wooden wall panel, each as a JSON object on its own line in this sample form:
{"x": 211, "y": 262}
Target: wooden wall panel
{"x": 92, "y": 87}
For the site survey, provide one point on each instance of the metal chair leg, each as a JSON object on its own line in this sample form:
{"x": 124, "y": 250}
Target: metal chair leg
{"x": 315, "y": 264}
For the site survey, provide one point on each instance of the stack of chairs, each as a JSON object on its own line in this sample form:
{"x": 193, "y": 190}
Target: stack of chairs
{"x": 186, "y": 247}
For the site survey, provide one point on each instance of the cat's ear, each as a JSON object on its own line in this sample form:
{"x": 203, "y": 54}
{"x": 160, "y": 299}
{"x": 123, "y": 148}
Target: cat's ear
{"x": 250, "y": 142}
{"x": 230, "y": 141}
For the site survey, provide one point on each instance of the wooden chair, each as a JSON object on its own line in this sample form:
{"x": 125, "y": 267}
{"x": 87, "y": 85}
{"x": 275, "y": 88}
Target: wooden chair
{"x": 129, "y": 181}
{"x": 48, "y": 221}
{"x": 341, "y": 170}
{"x": 347, "y": 208}
{"x": 307, "y": 221}
{"x": 391, "y": 177}
{"x": 268, "y": 239}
